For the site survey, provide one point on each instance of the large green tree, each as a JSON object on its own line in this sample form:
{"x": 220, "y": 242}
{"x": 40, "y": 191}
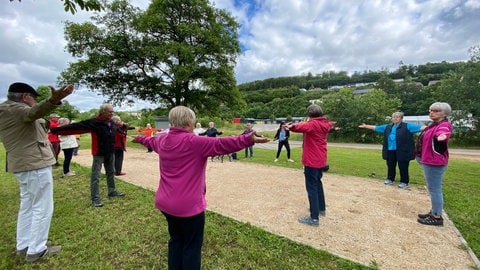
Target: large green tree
{"x": 177, "y": 52}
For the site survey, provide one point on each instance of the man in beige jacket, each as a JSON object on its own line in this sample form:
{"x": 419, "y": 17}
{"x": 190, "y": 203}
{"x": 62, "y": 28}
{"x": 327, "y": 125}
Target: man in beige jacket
{"x": 23, "y": 132}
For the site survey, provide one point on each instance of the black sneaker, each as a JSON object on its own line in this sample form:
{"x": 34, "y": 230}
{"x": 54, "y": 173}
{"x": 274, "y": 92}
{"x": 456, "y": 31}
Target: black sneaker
{"x": 425, "y": 215}
{"x": 116, "y": 194}
{"x": 431, "y": 220}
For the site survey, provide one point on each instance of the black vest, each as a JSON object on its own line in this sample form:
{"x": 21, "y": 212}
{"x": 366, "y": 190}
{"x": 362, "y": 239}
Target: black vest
{"x": 405, "y": 143}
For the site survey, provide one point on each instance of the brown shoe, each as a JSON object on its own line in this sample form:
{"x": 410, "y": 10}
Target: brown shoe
{"x": 49, "y": 251}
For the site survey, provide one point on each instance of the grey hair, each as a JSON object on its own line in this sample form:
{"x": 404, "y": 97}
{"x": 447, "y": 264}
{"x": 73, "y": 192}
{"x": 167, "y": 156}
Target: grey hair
{"x": 14, "y": 96}
{"x": 63, "y": 121}
{"x": 181, "y": 116}
{"x": 116, "y": 118}
{"x": 443, "y": 107}
{"x": 314, "y": 111}
{"x": 399, "y": 114}
{"x": 104, "y": 107}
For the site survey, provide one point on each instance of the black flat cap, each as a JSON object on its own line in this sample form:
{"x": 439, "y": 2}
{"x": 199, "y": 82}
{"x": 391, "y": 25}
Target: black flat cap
{"x": 19, "y": 87}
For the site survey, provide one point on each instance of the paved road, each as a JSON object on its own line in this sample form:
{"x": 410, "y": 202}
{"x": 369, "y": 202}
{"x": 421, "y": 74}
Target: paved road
{"x": 296, "y": 144}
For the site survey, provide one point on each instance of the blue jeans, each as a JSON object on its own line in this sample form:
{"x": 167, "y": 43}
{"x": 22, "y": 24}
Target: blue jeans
{"x": 316, "y": 197}
{"x": 186, "y": 240}
{"x": 434, "y": 178}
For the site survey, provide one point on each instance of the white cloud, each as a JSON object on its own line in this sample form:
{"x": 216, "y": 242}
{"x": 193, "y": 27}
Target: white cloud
{"x": 280, "y": 37}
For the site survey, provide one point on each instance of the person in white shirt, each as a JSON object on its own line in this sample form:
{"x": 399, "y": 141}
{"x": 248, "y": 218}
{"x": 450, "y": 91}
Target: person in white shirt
{"x": 198, "y": 129}
{"x": 68, "y": 144}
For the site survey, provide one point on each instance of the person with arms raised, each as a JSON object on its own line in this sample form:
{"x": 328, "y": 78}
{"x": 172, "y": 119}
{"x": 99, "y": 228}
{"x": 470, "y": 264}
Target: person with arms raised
{"x": 29, "y": 156}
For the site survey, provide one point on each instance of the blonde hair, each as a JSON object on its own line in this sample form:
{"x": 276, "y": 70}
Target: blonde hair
{"x": 181, "y": 116}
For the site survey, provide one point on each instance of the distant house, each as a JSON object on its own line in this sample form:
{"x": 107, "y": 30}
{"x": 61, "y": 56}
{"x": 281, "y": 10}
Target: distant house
{"x": 360, "y": 92}
{"x": 433, "y": 82}
{"x": 418, "y": 119}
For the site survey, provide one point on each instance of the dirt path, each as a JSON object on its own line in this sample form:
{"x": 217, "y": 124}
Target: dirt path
{"x": 366, "y": 221}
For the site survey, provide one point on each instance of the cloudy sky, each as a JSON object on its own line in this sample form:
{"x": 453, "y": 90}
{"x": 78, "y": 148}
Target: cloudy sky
{"x": 278, "y": 38}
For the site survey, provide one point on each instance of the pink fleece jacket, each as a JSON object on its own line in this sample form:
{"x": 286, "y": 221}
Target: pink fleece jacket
{"x": 434, "y": 152}
{"x": 183, "y": 160}
{"x": 315, "y": 132}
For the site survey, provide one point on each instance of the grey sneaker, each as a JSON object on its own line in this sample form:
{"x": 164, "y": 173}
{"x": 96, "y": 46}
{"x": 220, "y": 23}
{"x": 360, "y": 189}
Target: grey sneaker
{"x": 49, "y": 251}
{"x": 23, "y": 252}
{"x": 388, "y": 182}
{"x": 403, "y": 185}
{"x": 309, "y": 221}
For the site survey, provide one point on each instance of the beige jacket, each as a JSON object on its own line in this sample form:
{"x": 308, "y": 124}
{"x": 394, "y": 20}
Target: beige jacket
{"x": 23, "y": 132}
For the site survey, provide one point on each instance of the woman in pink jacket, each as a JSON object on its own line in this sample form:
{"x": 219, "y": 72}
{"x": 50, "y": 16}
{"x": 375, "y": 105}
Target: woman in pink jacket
{"x": 432, "y": 153}
{"x": 181, "y": 192}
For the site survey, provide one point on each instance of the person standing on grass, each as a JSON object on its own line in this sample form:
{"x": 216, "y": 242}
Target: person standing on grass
{"x": 120, "y": 144}
{"x": 103, "y": 130}
{"x": 314, "y": 158}
{"x": 29, "y": 157}
{"x": 398, "y": 147}
{"x": 180, "y": 195}
{"x": 282, "y": 136}
{"x": 432, "y": 154}
{"x": 248, "y": 129}
{"x": 53, "y": 138}
{"x": 68, "y": 143}
{"x": 198, "y": 129}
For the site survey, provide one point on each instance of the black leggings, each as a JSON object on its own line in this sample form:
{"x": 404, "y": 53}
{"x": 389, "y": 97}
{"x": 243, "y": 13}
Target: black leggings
{"x": 287, "y": 146}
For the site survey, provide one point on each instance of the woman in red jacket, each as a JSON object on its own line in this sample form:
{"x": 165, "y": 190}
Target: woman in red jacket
{"x": 314, "y": 158}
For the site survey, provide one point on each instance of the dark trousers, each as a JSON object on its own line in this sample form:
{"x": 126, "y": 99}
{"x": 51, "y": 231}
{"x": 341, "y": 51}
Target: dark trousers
{"x": 392, "y": 162}
{"x": 186, "y": 239}
{"x": 118, "y": 160}
{"x": 287, "y": 146}
{"x": 56, "y": 149}
{"x": 68, "y": 153}
{"x": 314, "y": 185}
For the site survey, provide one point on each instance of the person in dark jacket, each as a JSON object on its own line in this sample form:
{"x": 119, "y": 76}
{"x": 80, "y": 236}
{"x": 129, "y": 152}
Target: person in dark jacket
{"x": 398, "y": 147}
{"x": 211, "y": 132}
{"x": 102, "y": 129}
{"x": 282, "y": 136}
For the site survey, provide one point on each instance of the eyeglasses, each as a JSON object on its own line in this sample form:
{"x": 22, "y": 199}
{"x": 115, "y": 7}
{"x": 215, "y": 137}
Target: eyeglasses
{"x": 435, "y": 111}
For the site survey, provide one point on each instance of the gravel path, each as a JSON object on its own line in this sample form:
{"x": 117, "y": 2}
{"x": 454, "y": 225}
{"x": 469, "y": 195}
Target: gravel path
{"x": 366, "y": 221}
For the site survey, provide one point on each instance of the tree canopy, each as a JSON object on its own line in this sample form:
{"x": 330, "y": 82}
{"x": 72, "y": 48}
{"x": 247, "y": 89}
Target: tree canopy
{"x": 177, "y": 52}
{"x": 71, "y": 5}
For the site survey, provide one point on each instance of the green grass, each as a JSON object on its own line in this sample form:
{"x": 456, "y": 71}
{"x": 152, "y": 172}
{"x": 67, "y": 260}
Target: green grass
{"x": 461, "y": 181}
{"x": 130, "y": 233}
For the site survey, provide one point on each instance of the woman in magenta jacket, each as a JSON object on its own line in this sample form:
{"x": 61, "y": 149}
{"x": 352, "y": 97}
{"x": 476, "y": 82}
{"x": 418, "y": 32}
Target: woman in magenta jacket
{"x": 432, "y": 153}
{"x": 181, "y": 192}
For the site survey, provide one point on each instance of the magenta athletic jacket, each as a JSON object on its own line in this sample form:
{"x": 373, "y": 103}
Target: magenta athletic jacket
{"x": 435, "y": 153}
{"x": 315, "y": 132}
{"x": 183, "y": 161}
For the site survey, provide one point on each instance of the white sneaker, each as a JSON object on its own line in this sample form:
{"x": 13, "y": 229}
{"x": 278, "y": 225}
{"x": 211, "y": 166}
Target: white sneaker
{"x": 70, "y": 173}
{"x": 290, "y": 160}
{"x": 275, "y": 160}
